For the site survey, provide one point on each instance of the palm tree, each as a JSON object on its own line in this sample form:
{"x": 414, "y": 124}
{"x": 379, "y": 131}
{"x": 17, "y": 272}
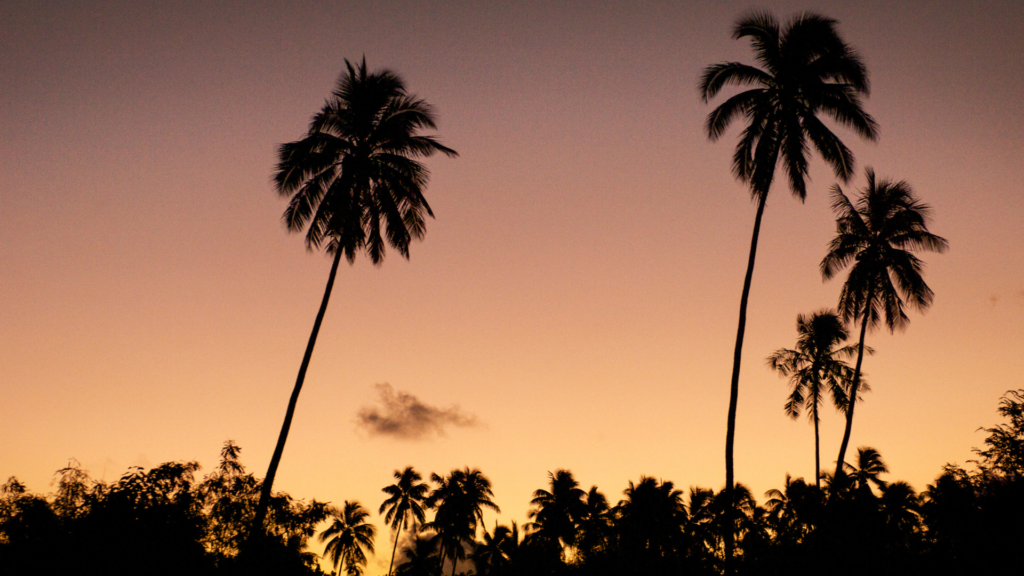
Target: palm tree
{"x": 491, "y": 557}
{"x": 557, "y": 512}
{"x": 354, "y": 184}
{"x": 407, "y": 497}
{"x": 594, "y": 526}
{"x": 347, "y": 537}
{"x": 805, "y": 70}
{"x": 867, "y": 471}
{"x": 459, "y": 499}
{"x": 814, "y": 368}
{"x": 650, "y": 522}
{"x": 878, "y": 233}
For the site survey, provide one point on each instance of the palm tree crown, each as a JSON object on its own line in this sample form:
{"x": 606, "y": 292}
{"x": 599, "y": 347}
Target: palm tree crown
{"x": 878, "y": 233}
{"x": 805, "y": 70}
{"x": 347, "y": 537}
{"x": 354, "y": 181}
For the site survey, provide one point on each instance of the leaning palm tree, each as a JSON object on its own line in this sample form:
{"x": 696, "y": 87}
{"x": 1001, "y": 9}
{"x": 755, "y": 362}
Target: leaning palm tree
{"x": 347, "y": 537}
{"x": 354, "y": 184}
{"x": 805, "y": 70}
{"x": 407, "y": 498}
{"x": 877, "y": 233}
{"x": 814, "y": 368}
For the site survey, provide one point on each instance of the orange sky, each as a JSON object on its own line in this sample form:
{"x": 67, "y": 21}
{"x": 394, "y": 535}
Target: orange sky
{"x": 577, "y": 291}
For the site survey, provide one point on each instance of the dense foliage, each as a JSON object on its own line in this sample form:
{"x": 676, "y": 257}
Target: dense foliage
{"x": 164, "y": 521}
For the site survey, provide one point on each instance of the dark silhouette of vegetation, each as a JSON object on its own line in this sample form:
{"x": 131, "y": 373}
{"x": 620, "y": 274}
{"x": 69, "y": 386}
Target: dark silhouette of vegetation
{"x": 354, "y": 184}
{"x": 815, "y": 367}
{"x": 804, "y": 70}
{"x": 160, "y": 521}
{"x": 164, "y": 521}
{"x": 878, "y": 234}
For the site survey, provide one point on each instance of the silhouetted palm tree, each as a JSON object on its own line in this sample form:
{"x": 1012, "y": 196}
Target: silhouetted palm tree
{"x": 557, "y": 512}
{"x": 901, "y": 508}
{"x": 459, "y": 499}
{"x": 867, "y": 471}
{"x": 878, "y": 233}
{"x": 407, "y": 498}
{"x": 594, "y": 527}
{"x": 815, "y": 367}
{"x": 347, "y": 537}
{"x": 420, "y": 556}
{"x": 354, "y": 184}
{"x": 650, "y": 523}
{"x": 805, "y": 70}
{"x": 492, "y": 556}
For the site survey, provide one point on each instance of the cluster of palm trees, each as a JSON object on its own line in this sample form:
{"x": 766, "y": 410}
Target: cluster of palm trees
{"x": 654, "y": 529}
{"x": 355, "y": 184}
{"x": 805, "y": 71}
{"x": 458, "y": 501}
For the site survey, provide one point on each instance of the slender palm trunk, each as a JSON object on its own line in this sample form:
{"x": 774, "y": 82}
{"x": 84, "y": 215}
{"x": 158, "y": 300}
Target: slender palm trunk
{"x": 730, "y": 434}
{"x": 817, "y": 449}
{"x": 854, "y": 385}
{"x": 395, "y": 549}
{"x": 275, "y": 460}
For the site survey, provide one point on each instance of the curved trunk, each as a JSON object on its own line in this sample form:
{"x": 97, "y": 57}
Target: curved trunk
{"x": 275, "y": 460}
{"x": 730, "y": 434}
{"x": 395, "y": 549}
{"x": 817, "y": 449}
{"x": 853, "y": 387}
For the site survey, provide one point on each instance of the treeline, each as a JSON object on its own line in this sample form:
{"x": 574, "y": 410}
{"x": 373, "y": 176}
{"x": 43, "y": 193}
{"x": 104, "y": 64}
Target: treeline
{"x": 164, "y": 521}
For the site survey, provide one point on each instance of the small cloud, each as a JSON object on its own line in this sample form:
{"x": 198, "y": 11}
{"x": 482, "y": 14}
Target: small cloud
{"x": 993, "y": 300}
{"x": 403, "y": 415}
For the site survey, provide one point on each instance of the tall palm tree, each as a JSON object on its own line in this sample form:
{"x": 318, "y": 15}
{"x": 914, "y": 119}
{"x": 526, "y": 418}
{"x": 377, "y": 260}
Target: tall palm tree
{"x": 805, "y": 69}
{"x": 407, "y": 498}
{"x": 459, "y": 499}
{"x": 557, "y": 513}
{"x": 814, "y": 368}
{"x": 347, "y": 537}
{"x": 354, "y": 184}
{"x": 877, "y": 233}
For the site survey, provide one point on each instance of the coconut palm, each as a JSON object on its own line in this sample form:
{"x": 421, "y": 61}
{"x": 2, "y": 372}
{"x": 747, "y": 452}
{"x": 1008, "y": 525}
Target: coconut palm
{"x": 406, "y": 501}
{"x": 459, "y": 499}
{"x": 814, "y": 368}
{"x": 557, "y": 512}
{"x": 348, "y": 538}
{"x": 805, "y": 70}
{"x": 877, "y": 233}
{"x": 492, "y": 556}
{"x": 867, "y": 471}
{"x": 354, "y": 184}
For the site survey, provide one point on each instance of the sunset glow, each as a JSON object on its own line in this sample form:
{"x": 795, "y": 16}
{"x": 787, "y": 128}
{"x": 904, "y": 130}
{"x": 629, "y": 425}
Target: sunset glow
{"x": 573, "y": 304}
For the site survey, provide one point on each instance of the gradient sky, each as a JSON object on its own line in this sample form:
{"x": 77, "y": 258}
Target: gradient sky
{"x": 577, "y": 292}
